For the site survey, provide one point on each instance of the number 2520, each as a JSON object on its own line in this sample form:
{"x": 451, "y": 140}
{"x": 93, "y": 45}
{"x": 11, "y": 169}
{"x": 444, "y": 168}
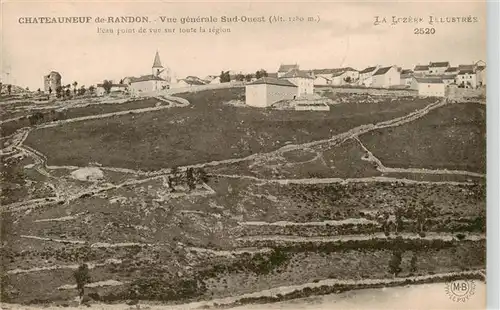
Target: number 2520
{"x": 424, "y": 31}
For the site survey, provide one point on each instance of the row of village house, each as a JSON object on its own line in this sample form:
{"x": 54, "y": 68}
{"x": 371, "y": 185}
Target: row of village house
{"x": 429, "y": 80}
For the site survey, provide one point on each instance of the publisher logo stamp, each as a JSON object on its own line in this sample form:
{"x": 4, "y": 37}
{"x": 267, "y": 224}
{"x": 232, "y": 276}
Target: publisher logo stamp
{"x": 460, "y": 290}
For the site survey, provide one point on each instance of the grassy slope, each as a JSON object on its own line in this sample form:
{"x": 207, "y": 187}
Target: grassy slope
{"x": 207, "y": 130}
{"x": 452, "y": 137}
{"x": 52, "y": 115}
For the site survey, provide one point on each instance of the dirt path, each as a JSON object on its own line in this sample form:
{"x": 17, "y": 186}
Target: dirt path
{"x": 351, "y": 221}
{"x": 363, "y": 237}
{"x": 91, "y": 265}
{"x": 335, "y": 180}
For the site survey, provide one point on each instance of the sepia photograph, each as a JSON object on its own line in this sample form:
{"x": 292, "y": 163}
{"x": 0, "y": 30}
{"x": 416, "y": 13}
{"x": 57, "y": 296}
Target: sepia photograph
{"x": 243, "y": 155}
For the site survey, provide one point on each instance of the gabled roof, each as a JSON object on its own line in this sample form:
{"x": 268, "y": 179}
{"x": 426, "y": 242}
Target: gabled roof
{"x": 406, "y": 71}
{"x": 429, "y": 80}
{"x": 451, "y": 69}
{"x": 193, "y": 82}
{"x": 368, "y": 70}
{"x": 421, "y": 68}
{"x": 327, "y": 71}
{"x": 439, "y": 64}
{"x": 286, "y": 68}
{"x": 449, "y": 77}
{"x": 273, "y": 81}
{"x": 295, "y": 73}
{"x": 382, "y": 71}
{"x": 466, "y": 71}
{"x": 333, "y": 71}
{"x": 143, "y": 78}
{"x": 481, "y": 68}
{"x": 157, "y": 62}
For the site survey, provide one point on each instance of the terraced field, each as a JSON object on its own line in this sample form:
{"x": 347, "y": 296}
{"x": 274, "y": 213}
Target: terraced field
{"x": 317, "y": 203}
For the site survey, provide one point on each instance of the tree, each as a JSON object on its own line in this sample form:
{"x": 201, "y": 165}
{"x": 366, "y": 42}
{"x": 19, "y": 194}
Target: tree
{"x": 59, "y": 91}
{"x": 225, "y": 77}
{"x": 91, "y": 89}
{"x": 68, "y": 92}
{"x": 82, "y": 90}
{"x": 173, "y": 178}
{"x": 261, "y": 73}
{"x": 50, "y": 90}
{"x": 202, "y": 176}
{"x": 413, "y": 262}
{"x": 106, "y": 84}
{"x": 121, "y": 81}
{"x": 248, "y": 77}
{"x": 240, "y": 77}
{"x": 347, "y": 79}
{"x": 75, "y": 83}
{"x": 39, "y": 90}
{"x": 190, "y": 179}
{"x": 9, "y": 89}
{"x": 82, "y": 277}
{"x": 395, "y": 263}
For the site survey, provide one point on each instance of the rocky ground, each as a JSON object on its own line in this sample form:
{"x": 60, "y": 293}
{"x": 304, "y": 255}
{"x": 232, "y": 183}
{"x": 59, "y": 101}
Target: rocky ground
{"x": 319, "y": 214}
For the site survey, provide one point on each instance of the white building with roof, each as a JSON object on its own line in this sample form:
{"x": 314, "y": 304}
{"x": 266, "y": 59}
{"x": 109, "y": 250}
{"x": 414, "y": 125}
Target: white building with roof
{"x": 429, "y": 86}
{"x": 283, "y": 69}
{"x": 302, "y": 80}
{"x": 386, "y": 77}
{"x": 421, "y": 70}
{"x": 438, "y": 68}
{"x": 467, "y": 78}
{"x": 160, "y": 79}
{"x": 365, "y": 75}
{"x": 266, "y": 91}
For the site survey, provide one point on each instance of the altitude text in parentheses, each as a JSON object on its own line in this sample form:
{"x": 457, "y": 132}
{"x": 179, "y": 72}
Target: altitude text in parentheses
{"x": 276, "y": 19}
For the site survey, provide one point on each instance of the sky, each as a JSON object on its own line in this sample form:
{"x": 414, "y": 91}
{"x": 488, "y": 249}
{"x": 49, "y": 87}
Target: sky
{"x": 344, "y": 36}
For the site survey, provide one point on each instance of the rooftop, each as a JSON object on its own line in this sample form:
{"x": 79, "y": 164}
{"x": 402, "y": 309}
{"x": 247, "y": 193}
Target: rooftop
{"x": 193, "y": 82}
{"x": 368, "y": 70}
{"x": 286, "y": 68}
{"x": 439, "y": 64}
{"x": 273, "y": 81}
{"x": 296, "y": 73}
{"x": 157, "y": 62}
{"x": 143, "y": 78}
{"x": 382, "y": 71}
{"x": 421, "y": 68}
{"x": 466, "y": 71}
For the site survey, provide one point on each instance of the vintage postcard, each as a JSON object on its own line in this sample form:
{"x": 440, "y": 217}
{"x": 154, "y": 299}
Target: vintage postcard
{"x": 237, "y": 155}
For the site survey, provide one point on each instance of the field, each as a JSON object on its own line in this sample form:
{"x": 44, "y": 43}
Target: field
{"x": 208, "y": 130}
{"x": 453, "y": 137}
{"x": 214, "y": 203}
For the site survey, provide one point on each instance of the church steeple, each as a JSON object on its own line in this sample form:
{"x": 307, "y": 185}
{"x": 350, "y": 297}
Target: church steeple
{"x": 157, "y": 67}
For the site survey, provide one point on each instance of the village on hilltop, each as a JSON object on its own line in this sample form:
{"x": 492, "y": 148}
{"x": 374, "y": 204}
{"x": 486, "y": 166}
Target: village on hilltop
{"x": 289, "y": 82}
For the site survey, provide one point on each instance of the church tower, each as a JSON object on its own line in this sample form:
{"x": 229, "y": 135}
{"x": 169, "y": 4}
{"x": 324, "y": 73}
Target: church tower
{"x": 157, "y": 67}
